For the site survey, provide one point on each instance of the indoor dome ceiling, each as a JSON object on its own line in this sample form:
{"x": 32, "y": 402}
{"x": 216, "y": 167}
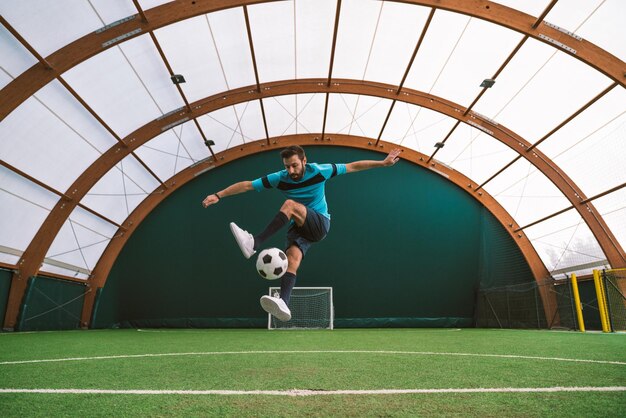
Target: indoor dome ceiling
{"x": 82, "y": 80}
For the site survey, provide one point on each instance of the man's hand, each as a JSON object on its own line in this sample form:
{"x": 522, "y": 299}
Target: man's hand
{"x": 233, "y": 189}
{"x": 210, "y": 200}
{"x": 392, "y": 157}
{"x": 389, "y": 160}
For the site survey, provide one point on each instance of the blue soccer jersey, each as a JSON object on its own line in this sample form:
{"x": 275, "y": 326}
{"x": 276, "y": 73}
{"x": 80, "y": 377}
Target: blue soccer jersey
{"x": 308, "y": 191}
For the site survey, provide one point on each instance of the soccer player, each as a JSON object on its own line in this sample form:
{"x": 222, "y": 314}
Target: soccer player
{"x": 305, "y": 210}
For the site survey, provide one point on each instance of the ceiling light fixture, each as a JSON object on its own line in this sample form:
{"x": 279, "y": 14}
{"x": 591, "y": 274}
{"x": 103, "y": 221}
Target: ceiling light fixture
{"x": 487, "y": 83}
{"x": 177, "y": 79}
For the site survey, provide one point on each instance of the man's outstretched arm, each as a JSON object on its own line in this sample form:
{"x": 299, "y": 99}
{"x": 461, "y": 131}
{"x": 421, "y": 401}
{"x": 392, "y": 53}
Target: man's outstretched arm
{"x": 389, "y": 160}
{"x": 241, "y": 187}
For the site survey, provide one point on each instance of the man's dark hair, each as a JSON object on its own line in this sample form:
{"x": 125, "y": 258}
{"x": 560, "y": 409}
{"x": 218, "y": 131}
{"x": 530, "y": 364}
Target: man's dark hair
{"x": 291, "y": 151}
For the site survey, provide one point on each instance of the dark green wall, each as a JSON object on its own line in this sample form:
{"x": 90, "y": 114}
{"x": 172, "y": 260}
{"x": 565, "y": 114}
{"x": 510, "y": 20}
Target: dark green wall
{"x": 589, "y": 300}
{"x": 51, "y": 304}
{"x": 5, "y": 286}
{"x": 406, "y": 248}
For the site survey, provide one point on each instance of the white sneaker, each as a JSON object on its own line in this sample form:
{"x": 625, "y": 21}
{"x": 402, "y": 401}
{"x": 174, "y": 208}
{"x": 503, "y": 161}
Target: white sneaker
{"x": 244, "y": 239}
{"x": 276, "y": 307}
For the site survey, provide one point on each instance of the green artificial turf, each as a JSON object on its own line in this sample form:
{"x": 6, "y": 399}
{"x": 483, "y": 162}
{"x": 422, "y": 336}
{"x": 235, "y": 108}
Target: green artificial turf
{"x": 248, "y": 361}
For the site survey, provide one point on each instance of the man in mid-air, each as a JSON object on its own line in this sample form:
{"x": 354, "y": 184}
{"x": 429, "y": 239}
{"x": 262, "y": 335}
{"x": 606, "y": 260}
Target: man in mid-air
{"x": 305, "y": 209}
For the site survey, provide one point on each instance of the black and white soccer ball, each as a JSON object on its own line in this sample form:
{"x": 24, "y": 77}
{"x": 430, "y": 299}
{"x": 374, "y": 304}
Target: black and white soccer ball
{"x": 271, "y": 263}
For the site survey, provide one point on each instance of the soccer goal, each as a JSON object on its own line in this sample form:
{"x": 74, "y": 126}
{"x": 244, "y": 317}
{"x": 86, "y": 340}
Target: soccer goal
{"x": 311, "y": 308}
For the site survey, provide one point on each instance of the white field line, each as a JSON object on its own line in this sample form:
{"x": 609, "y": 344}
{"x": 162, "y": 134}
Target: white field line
{"x": 222, "y": 353}
{"x": 308, "y": 392}
{"x": 195, "y": 331}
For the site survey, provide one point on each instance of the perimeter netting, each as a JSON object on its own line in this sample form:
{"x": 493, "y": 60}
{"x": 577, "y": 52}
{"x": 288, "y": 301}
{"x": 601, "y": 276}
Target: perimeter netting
{"x": 615, "y": 285}
{"x": 522, "y": 306}
{"x": 311, "y": 308}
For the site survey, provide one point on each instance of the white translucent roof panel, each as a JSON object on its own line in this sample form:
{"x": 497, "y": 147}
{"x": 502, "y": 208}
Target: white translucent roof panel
{"x": 356, "y": 114}
{"x": 215, "y": 55}
{"x": 50, "y": 25}
{"x": 70, "y": 271}
{"x": 120, "y": 190}
{"x": 4, "y": 78}
{"x": 526, "y": 193}
{"x": 310, "y": 116}
{"x": 481, "y": 50}
{"x": 110, "y": 12}
{"x": 580, "y": 147}
{"x": 127, "y": 86}
{"x": 444, "y": 32}
{"x": 173, "y": 150}
{"x": 315, "y": 22}
{"x": 195, "y": 59}
{"x": 565, "y": 241}
{"x": 59, "y": 102}
{"x": 9, "y": 258}
{"x": 612, "y": 207}
{"x": 51, "y": 137}
{"x": 474, "y": 153}
{"x": 356, "y": 32}
{"x": 519, "y": 72}
{"x": 416, "y": 127}
{"x": 272, "y": 28}
{"x": 15, "y": 58}
{"x": 284, "y": 119}
{"x": 234, "y": 125}
{"x": 559, "y": 86}
{"x": 150, "y": 70}
{"x": 280, "y": 113}
{"x": 398, "y": 30}
{"x": 228, "y": 29}
{"x": 80, "y": 242}
{"x": 599, "y": 22}
{"x": 23, "y": 208}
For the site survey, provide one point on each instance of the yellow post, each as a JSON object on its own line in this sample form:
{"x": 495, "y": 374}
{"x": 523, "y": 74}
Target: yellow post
{"x": 605, "y": 305}
{"x": 579, "y": 308}
{"x": 601, "y": 301}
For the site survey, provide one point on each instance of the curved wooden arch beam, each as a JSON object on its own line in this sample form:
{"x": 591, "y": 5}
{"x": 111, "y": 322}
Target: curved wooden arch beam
{"x": 37, "y": 76}
{"x": 35, "y": 253}
{"x": 106, "y": 261}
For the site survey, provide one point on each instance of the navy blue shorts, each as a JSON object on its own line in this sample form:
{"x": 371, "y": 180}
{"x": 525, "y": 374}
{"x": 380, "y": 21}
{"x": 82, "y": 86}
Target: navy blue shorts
{"x": 314, "y": 229}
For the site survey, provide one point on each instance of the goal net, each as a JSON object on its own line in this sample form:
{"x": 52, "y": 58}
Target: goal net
{"x": 311, "y": 308}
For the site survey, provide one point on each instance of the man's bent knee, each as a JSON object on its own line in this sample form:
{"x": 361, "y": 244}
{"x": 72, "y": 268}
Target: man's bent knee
{"x": 291, "y": 204}
{"x": 294, "y": 257}
{"x": 294, "y": 210}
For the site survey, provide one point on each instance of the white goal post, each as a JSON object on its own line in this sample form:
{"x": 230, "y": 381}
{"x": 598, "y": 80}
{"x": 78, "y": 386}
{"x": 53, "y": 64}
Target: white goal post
{"x": 311, "y": 308}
